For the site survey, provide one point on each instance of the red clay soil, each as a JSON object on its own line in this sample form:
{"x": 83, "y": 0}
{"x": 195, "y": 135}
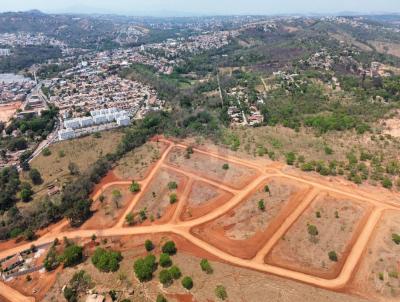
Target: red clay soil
{"x": 38, "y": 287}
{"x": 182, "y": 297}
{"x": 109, "y": 178}
{"x": 190, "y": 211}
{"x": 247, "y": 248}
{"x": 99, "y": 219}
{"x": 2, "y": 299}
{"x": 332, "y": 271}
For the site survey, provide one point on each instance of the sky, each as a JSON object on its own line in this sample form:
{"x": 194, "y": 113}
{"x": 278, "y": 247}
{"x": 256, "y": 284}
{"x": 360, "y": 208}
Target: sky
{"x": 202, "y": 7}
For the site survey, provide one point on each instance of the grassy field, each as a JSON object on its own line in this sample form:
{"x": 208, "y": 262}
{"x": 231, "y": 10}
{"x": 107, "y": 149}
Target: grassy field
{"x": 82, "y": 151}
{"x": 276, "y": 142}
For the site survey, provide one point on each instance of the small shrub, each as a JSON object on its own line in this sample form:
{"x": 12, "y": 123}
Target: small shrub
{"x": 387, "y": 183}
{"x": 175, "y": 272}
{"x": 46, "y": 152}
{"x": 225, "y": 166}
{"x": 149, "y": 246}
{"x": 187, "y": 283}
{"x": 312, "y": 230}
{"x": 161, "y": 298}
{"x": 396, "y": 238}
{"x": 173, "y": 198}
{"x": 134, "y": 187}
{"x": 172, "y": 185}
{"x": 333, "y": 256}
{"x": 328, "y": 150}
{"x": 290, "y": 158}
{"x": 145, "y": 267}
{"x": 130, "y": 219}
{"x": 318, "y": 214}
{"x": 165, "y": 260}
{"x": 165, "y": 277}
{"x": 169, "y": 248}
{"x": 206, "y": 266}
{"x": 261, "y": 205}
{"x": 220, "y": 292}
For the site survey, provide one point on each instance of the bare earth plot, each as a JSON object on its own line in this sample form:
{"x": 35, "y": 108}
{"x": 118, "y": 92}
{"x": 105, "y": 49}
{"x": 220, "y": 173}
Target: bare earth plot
{"x": 244, "y": 229}
{"x": 156, "y": 199}
{"x": 338, "y": 221}
{"x": 211, "y": 167}
{"x": 108, "y": 209}
{"x": 378, "y": 275}
{"x": 202, "y": 199}
{"x": 216, "y": 215}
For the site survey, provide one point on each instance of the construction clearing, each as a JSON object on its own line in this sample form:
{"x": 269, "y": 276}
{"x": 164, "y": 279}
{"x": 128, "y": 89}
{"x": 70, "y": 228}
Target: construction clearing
{"x": 252, "y": 215}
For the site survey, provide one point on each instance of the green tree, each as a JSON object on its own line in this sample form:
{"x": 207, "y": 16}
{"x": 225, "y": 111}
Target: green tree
{"x": 106, "y": 261}
{"x": 267, "y": 189}
{"x": 46, "y": 152}
{"x": 312, "y": 230}
{"x": 261, "y": 205}
{"x": 165, "y": 260}
{"x": 206, "y": 266}
{"x": 51, "y": 261}
{"x": 149, "y": 246}
{"x": 396, "y": 238}
{"x": 165, "y": 277}
{"x": 169, "y": 248}
{"x": 26, "y": 192}
{"x": 387, "y": 183}
{"x": 173, "y": 198}
{"x": 172, "y": 185}
{"x": 73, "y": 168}
{"x": 187, "y": 282}
{"x": 225, "y": 166}
{"x": 130, "y": 219}
{"x": 220, "y": 292}
{"x": 143, "y": 214}
{"x": 72, "y": 255}
{"x": 134, "y": 187}
{"x": 116, "y": 197}
{"x": 145, "y": 267}
{"x": 161, "y": 298}
{"x": 290, "y": 158}
{"x": 35, "y": 176}
{"x": 333, "y": 256}
{"x": 175, "y": 272}
{"x": 79, "y": 212}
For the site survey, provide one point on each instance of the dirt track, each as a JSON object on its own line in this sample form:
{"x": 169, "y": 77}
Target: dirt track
{"x": 183, "y": 228}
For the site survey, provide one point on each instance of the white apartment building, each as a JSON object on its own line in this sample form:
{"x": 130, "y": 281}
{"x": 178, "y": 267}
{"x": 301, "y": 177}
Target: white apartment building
{"x": 65, "y": 134}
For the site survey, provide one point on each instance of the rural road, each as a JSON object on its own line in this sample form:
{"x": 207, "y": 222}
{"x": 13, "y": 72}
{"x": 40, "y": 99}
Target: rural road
{"x": 182, "y": 228}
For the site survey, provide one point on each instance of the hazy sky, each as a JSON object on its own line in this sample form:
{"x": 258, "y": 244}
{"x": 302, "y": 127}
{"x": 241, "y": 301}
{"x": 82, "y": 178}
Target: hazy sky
{"x": 224, "y": 7}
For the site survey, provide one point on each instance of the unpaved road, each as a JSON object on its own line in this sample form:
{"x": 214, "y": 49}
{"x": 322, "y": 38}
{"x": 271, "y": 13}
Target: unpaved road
{"x": 183, "y": 228}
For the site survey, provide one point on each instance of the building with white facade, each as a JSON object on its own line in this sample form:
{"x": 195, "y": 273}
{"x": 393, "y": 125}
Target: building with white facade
{"x": 73, "y": 123}
{"x": 86, "y": 121}
{"x": 123, "y": 121}
{"x": 65, "y": 134}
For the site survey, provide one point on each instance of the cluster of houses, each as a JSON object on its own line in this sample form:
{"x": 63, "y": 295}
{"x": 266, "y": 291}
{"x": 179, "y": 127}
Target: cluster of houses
{"x": 251, "y": 117}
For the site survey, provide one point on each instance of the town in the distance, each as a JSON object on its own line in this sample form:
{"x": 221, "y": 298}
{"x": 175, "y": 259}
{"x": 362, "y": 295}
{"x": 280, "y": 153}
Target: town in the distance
{"x": 201, "y": 158}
